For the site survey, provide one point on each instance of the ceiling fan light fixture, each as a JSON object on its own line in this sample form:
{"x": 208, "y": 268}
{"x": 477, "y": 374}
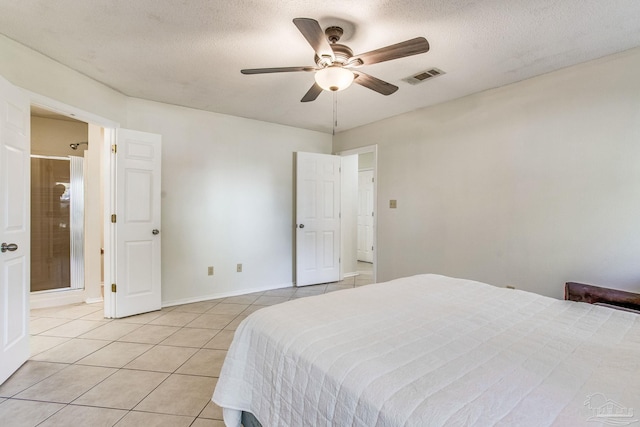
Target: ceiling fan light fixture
{"x": 334, "y": 78}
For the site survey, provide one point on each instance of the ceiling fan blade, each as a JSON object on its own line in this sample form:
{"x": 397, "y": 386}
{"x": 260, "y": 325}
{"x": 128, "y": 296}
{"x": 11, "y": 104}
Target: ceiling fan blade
{"x": 311, "y": 31}
{"x": 275, "y": 70}
{"x": 395, "y": 51}
{"x": 374, "y": 83}
{"x": 312, "y": 94}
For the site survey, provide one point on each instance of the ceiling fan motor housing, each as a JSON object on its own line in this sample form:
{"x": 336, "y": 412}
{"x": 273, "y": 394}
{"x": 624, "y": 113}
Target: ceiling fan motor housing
{"x": 341, "y": 53}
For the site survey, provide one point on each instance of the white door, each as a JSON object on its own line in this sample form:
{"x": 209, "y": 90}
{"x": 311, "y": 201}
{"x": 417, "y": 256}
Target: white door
{"x": 14, "y": 228}
{"x": 365, "y": 216}
{"x": 137, "y": 223}
{"x": 317, "y": 218}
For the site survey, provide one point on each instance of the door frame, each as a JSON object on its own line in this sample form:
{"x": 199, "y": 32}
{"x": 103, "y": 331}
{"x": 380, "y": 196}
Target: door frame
{"x": 361, "y": 150}
{"x": 109, "y": 126}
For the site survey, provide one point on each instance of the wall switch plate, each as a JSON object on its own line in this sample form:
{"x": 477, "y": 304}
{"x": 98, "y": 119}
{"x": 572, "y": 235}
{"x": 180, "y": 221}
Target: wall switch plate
{"x": 239, "y": 268}
{"x": 393, "y": 204}
{"x": 210, "y": 271}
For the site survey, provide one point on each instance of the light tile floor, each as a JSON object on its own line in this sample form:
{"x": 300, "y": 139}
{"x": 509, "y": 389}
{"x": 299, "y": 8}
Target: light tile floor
{"x": 154, "y": 369}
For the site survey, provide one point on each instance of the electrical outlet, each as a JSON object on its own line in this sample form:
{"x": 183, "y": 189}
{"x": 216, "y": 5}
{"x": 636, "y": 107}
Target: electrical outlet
{"x": 239, "y": 268}
{"x": 210, "y": 271}
{"x": 393, "y": 204}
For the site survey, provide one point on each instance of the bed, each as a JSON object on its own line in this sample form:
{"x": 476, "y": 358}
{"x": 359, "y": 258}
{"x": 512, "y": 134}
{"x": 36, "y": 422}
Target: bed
{"x": 430, "y": 350}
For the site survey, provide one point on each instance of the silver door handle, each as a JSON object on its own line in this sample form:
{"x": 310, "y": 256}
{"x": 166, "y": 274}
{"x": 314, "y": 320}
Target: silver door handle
{"x": 8, "y": 247}
{"x": 155, "y": 231}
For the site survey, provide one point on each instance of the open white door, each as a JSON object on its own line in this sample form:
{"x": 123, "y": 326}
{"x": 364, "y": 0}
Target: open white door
{"x": 365, "y": 216}
{"x": 14, "y": 228}
{"x": 317, "y": 218}
{"x": 137, "y": 286}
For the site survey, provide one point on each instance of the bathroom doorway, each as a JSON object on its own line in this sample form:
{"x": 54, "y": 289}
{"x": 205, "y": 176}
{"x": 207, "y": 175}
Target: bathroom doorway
{"x": 58, "y": 144}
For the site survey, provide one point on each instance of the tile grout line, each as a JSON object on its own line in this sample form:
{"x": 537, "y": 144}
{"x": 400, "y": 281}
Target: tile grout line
{"x": 195, "y": 310}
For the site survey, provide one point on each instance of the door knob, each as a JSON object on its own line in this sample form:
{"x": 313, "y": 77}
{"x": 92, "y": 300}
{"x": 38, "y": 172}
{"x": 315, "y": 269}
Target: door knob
{"x": 301, "y": 225}
{"x": 155, "y": 231}
{"x": 8, "y": 247}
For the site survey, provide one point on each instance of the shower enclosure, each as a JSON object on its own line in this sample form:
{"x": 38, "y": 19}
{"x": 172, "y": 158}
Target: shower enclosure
{"x": 57, "y": 223}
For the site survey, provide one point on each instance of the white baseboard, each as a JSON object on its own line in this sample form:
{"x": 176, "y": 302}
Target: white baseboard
{"x": 350, "y": 274}
{"x": 93, "y": 300}
{"x": 225, "y": 294}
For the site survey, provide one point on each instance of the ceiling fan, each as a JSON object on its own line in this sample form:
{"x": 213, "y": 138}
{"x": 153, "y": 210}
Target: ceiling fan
{"x": 335, "y": 62}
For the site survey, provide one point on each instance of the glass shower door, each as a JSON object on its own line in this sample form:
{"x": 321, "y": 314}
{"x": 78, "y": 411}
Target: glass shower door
{"x": 56, "y": 241}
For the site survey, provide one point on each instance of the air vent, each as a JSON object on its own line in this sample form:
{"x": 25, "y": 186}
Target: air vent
{"x": 423, "y": 76}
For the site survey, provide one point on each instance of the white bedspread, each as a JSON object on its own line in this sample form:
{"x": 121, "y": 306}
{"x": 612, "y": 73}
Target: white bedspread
{"x": 431, "y": 350}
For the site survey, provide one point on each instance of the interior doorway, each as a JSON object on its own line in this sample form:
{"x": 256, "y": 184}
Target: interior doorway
{"x": 358, "y": 213}
{"x": 66, "y": 259}
{"x": 58, "y": 144}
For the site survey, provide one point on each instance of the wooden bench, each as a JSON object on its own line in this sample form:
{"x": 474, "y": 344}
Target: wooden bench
{"x": 614, "y": 298}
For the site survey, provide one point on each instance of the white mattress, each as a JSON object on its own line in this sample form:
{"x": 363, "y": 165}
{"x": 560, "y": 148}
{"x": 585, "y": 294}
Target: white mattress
{"x": 431, "y": 350}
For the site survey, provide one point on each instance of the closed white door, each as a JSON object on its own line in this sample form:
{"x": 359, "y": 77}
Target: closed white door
{"x": 137, "y": 223}
{"x": 14, "y": 228}
{"x": 365, "y": 216}
{"x": 317, "y": 218}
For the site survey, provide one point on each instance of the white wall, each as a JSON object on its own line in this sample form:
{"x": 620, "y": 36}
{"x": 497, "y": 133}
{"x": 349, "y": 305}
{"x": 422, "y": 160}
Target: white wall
{"x": 227, "y": 198}
{"x": 533, "y": 184}
{"x": 227, "y": 181}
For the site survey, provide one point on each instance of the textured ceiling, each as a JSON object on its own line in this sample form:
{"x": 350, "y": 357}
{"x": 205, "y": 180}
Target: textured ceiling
{"x": 190, "y": 52}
